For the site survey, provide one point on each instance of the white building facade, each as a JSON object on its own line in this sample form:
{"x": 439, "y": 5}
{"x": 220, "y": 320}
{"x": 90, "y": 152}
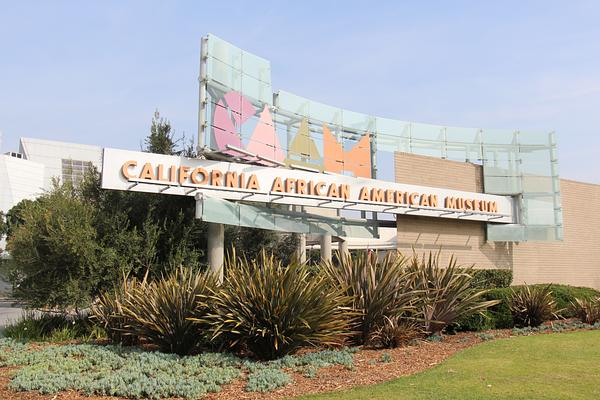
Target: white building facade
{"x": 28, "y": 173}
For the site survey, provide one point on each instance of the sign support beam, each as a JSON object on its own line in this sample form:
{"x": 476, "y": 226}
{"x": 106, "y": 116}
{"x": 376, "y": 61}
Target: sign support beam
{"x": 325, "y": 247}
{"x": 216, "y": 253}
{"x": 301, "y": 250}
{"x": 343, "y": 247}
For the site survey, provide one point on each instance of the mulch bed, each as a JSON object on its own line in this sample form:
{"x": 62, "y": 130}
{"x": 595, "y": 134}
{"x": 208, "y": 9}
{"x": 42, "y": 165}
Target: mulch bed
{"x": 369, "y": 368}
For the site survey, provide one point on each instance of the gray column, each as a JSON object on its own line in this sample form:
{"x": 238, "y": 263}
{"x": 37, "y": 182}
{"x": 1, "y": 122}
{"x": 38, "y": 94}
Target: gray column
{"x": 326, "y": 247}
{"x": 301, "y": 247}
{"x": 343, "y": 247}
{"x": 216, "y": 238}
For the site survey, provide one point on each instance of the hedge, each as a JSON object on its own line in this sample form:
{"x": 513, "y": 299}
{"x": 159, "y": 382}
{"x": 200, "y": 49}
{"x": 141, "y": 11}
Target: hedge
{"x": 491, "y": 278}
{"x": 499, "y": 316}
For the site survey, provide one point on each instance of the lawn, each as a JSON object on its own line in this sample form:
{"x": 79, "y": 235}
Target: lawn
{"x": 563, "y": 366}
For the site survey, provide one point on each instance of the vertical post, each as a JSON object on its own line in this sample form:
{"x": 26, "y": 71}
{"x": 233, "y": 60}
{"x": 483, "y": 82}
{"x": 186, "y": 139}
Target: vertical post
{"x": 343, "y": 247}
{"x": 216, "y": 238}
{"x": 202, "y": 94}
{"x": 326, "y": 247}
{"x": 301, "y": 247}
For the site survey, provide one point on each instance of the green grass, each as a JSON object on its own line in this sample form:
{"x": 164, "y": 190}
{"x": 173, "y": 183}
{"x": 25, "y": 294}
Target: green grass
{"x": 562, "y": 366}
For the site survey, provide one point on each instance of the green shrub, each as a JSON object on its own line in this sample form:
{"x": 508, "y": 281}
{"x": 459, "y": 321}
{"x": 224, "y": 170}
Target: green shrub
{"x": 273, "y": 309}
{"x": 565, "y": 295}
{"x": 499, "y": 316}
{"x": 376, "y": 288}
{"x": 159, "y": 312}
{"x": 491, "y": 278}
{"x": 587, "y": 310}
{"x": 445, "y": 293}
{"x": 474, "y": 322}
{"x": 532, "y": 305}
{"x": 38, "y": 326}
{"x": 56, "y": 258}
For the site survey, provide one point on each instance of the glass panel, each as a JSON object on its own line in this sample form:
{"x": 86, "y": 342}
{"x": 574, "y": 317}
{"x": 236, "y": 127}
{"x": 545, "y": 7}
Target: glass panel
{"x": 357, "y": 122}
{"x": 537, "y": 184}
{"x": 463, "y": 135}
{"x": 295, "y": 104}
{"x": 505, "y": 233}
{"x": 534, "y": 138}
{"x": 501, "y": 185}
{"x": 224, "y": 74}
{"x": 226, "y": 52}
{"x": 255, "y": 89}
{"x": 392, "y": 128}
{"x": 320, "y": 113}
{"x": 539, "y": 233}
{"x": 523, "y": 163}
{"x": 256, "y": 67}
{"x": 498, "y": 136}
{"x": 429, "y": 148}
{"x": 539, "y": 209}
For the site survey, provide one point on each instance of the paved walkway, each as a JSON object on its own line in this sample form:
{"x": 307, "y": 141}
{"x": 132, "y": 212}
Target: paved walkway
{"x": 8, "y": 312}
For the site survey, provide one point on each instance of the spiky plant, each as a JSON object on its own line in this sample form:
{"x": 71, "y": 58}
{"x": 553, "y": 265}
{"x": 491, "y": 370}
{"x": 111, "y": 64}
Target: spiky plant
{"x": 376, "y": 288}
{"x": 159, "y": 312}
{"x": 396, "y": 331}
{"x": 273, "y": 309}
{"x": 587, "y": 310}
{"x": 531, "y": 305}
{"x": 107, "y": 311}
{"x": 445, "y": 293}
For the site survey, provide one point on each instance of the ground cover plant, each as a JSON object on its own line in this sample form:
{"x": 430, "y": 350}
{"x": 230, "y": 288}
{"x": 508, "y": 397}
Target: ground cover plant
{"x": 138, "y": 373}
{"x": 539, "y": 367}
{"x": 135, "y": 373}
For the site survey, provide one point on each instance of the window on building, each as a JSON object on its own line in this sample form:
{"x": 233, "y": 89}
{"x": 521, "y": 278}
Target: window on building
{"x": 74, "y": 170}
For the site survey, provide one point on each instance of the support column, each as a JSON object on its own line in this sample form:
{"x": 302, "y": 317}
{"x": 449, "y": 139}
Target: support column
{"x": 216, "y": 238}
{"x": 301, "y": 247}
{"x": 343, "y": 247}
{"x": 326, "y": 247}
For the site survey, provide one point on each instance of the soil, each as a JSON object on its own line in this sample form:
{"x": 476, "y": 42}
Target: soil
{"x": 369, "y": 368}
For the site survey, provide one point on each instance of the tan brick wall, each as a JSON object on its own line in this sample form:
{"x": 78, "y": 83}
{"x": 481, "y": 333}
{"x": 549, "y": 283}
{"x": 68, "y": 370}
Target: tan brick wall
{"x": 574, "y": 261}
{"x": 413, "y": 169}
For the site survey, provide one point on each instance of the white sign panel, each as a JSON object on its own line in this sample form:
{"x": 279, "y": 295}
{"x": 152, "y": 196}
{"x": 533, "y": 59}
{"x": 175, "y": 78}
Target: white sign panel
{"x": 155, "y": 173}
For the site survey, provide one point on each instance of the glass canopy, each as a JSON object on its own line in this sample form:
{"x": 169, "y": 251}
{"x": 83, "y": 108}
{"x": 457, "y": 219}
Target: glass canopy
{"x": 244, "y": 116}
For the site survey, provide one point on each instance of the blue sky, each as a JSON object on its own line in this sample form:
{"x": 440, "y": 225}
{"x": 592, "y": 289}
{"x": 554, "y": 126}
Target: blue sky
{"x": 94, "y": 72}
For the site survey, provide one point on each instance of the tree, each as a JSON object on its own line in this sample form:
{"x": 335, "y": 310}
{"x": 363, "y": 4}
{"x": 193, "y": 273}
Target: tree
{"x": 161, "y": 139}
{"x": 56, "y": 258}
{"x": 72, "y": 243}
{"x": 3, "y": 225}
{"x": 13, "y": 216}
{"x": 249, "y": 242}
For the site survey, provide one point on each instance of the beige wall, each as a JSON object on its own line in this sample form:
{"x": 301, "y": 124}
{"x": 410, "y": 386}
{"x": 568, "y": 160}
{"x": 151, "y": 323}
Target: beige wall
{"x": 574, "y": 261}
